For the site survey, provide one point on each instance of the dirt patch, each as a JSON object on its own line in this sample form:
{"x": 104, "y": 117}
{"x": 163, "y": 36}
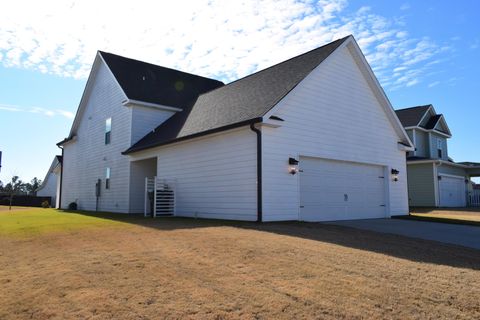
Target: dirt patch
{"x": 182, "y": 268}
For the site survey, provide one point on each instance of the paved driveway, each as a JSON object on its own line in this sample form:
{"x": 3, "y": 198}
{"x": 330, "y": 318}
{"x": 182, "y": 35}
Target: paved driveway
{"x": 468, "y": 236}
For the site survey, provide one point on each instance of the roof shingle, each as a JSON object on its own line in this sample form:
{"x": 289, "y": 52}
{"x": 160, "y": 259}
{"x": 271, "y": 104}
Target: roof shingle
{"x": 238, "y": 102}
{"x": 410, "y": 117}
{"x": 155, "y": 84}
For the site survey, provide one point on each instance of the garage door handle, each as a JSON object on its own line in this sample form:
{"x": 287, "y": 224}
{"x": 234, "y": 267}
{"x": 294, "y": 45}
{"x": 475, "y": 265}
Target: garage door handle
{"x": 382, "y": 205}
{"x": 302, "y": 206}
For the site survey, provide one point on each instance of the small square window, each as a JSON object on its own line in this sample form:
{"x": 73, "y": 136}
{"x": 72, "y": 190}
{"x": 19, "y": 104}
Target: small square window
{"x": 107, "y": 178}
{"x": 108, "y": 130}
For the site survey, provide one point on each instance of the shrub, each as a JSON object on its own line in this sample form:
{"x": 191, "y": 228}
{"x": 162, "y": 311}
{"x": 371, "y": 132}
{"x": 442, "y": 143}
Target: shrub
{"x": 45, "y": 204}
{"x": 72, "y": 206}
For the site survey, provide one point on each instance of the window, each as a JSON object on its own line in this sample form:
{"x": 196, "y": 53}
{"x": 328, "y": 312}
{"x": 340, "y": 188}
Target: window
{"x": 107, "y": 178}
{"x": 439, "y": 147}
{"x": 108, "y": 130}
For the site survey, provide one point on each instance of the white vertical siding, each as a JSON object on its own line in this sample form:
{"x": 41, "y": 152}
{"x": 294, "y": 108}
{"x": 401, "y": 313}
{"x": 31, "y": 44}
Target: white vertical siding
{"x": 86, "y": 159}
{"x": 331, "y": 114}
{"x": 215, "y": 175}
{"x": 145, "y": 120}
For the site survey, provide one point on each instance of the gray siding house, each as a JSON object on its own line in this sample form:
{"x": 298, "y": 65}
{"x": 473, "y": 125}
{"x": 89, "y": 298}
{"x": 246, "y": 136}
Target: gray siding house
{"x": 434, "y": 179}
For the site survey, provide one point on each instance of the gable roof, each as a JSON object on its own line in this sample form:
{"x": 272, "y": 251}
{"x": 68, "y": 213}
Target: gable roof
{"x": 238, "y": 103}
{"x": 432, "y": 122}
{"x": 411, "y": 117}
{"x": 414, "y": 117}
{"x": 156, "y": 84}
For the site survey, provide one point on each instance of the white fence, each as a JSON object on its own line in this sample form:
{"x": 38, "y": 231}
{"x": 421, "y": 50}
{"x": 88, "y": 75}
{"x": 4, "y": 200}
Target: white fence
{"x": 159, "y": 197}
{"x": 473, "y": 198}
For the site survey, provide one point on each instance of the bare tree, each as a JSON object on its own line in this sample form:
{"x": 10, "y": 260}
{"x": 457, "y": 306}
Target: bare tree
{"x": 14, "y": 187}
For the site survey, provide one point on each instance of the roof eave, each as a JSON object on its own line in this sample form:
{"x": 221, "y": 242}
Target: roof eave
{"x": 196, "y": 135}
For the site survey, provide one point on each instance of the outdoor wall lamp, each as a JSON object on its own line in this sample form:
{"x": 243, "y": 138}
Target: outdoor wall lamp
{"x": 395, "y": 173}
{"x": 292, "y": 166}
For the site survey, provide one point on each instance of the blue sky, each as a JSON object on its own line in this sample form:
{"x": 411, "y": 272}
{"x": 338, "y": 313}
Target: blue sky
{"x": 421, "y": 51}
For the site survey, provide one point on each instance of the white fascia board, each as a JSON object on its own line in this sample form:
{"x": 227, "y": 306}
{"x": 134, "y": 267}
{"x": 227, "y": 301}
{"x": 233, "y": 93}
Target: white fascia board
{"x": 275, "y": 107}
{"x": 133, "y": 103}
{"x": 444, "y": 122}
{"x": 426, "y": 130}
{"x": 88, "y": 87}
{"x": 451, "y": 176}
{"x": 442, "y": 162}
{"x": 373, "y": 82}
{"x": 403, "y": 147}
{"x": 430, "y": 108}
{"x": 377, "y": 88}
{"x": 269, "y": 124}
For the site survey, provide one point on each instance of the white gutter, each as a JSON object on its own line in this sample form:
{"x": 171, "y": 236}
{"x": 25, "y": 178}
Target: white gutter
{"x": 441, "y": 162}
{"x": 132, "y": 103}
{"x": 431, "y": 130}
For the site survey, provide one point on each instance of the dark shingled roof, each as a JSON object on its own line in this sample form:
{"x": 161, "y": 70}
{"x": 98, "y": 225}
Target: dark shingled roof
{"x": 238, "y": 103}
{"x": 411, "y": 117}
{"x": 155, "y": 84}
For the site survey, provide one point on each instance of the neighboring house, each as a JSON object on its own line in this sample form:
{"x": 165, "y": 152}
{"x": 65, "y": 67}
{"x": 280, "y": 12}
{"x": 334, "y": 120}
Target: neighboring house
{"x": 312, "y": 138}
{"x": 434, "y": 179}
{"x": 50, "y": 186}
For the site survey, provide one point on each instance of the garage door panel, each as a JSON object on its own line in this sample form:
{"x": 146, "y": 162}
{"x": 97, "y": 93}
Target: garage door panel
{"x": 452, "y": 191}
{"x": 336, "y": 190}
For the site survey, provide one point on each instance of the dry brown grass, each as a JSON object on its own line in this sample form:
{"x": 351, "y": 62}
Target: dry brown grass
{"x": 182, "y": 268}
{"x": 464, "y": 214}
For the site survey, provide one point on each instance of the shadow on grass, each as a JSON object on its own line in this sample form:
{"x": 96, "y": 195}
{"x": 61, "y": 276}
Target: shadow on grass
{"x": 417, "y": 250}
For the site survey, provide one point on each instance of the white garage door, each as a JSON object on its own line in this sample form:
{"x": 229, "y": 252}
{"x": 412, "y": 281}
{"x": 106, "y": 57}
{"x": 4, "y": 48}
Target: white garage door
{"x": 337, "y": 190}
{"x": 452, "y": 191}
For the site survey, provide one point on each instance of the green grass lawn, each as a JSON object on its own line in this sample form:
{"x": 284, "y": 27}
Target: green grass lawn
{"x": 34, "y": 221}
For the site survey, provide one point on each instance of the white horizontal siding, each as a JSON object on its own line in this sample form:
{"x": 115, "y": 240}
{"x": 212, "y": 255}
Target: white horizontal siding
{"x": 86, "y": 159}
{"x": 49, "y": 188}
{"x": 145, "y": 120}
{"x": 331, "y": 114}
{"x": 215, "y": 175}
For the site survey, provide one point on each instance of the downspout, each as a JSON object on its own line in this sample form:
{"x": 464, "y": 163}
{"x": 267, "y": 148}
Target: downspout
{"x": 61, "y": 182}
{"x": 259, "y": 171}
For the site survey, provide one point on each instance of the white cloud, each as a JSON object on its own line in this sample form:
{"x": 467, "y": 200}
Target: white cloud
{"x": 433, "y": 84}
{"x": 37, "y": 110}
{"x": 405, "y": 6}
{"x": 475, "y": 44}
{"x": 215, "y": 38}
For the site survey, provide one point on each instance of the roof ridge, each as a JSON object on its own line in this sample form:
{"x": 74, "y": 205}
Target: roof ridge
{"x": 284, "y": 61}
{"x": 156, "y": 65}
{"x": 422, "y": 106}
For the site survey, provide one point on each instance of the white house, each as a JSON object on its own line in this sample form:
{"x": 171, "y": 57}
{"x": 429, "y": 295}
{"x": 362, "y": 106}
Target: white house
{"x": 50, "y": 186}
{"x": 313, "y": 138}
